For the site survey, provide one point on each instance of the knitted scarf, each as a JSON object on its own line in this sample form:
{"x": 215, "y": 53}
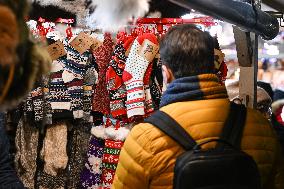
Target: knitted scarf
{"x": 200, "y": 87}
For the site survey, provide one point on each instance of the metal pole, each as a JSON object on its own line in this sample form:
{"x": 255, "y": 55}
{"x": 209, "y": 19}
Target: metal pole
{"x": 247, "y": 49}
{"x": 237, "y": 12}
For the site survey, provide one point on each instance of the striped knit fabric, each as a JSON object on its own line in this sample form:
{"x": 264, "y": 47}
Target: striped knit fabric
{"x": 136, "y": 66}
{"x": 110, "y": 160}
{"x": 115, "y": 85}
{"x": 69, "y": 93}
{"x": 205, "y": 86}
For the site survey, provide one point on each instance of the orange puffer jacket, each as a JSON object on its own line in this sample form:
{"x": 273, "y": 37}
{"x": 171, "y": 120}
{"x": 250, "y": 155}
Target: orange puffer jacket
{"x": 148, "y": 157}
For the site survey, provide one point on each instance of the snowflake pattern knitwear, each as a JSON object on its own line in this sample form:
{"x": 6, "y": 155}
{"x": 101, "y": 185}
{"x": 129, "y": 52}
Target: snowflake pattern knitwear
{"x": 103, "y": 56}
{"x": 69, "y": 94}
{"x": 133, "y": 76}
{"x": 91, "y": 176}
{"x": 115, "y": 85}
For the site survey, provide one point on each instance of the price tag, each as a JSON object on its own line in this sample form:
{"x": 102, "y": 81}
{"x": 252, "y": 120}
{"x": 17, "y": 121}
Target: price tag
{"x": 56, "y": 50}
{"x": 82, "y": 42}
{"x": 96, "y": 43}
{"x": 149, "y": 50}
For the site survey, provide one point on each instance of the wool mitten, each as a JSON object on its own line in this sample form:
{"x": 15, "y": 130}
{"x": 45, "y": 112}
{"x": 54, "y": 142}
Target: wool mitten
{"x": 54, "y": 152}
{"x": 141, "y": 54}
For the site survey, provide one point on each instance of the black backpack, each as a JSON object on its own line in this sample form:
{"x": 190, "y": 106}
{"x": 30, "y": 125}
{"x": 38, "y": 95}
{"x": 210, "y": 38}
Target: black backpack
{"x": 223, "y": 167}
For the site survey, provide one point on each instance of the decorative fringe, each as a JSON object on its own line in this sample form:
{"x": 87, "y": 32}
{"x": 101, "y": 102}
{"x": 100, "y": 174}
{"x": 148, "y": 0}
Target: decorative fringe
{"x": 111, "y": 15}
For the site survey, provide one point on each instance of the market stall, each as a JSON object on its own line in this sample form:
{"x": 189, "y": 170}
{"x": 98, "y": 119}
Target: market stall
{"x": 91, "y": 80}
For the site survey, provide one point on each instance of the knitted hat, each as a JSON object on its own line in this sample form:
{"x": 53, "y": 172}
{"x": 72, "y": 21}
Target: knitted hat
{"x": 267, "y": 87}
{"x": 142, "y": 52}
{"x": 233, "y": 92}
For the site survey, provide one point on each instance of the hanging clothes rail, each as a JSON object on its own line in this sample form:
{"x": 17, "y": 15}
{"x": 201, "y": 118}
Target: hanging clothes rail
{"x": 160, "y": 22}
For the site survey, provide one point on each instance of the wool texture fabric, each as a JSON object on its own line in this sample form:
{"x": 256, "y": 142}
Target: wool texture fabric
{"x": 54, "y": 152}
{"x": 103, "y": 56}
{"x": 69, "y": 90}
{"x": 156, "y": 83}
{"x": 26, "y": 153}
{"x": 91, "y": 176}
{"x": 110, "y": 160}
{"x": 115, "y": 85}
{"x": 200, "y": 87}
{"x": 78, "y": 144}
{"x": 148, "y": 105}
{"x": 133, "y": 76}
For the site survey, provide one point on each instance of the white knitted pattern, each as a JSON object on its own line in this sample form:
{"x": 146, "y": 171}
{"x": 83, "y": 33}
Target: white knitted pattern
{"x": 136, "y": 65}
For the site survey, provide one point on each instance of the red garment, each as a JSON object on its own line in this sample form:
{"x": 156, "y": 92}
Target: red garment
{"x": 110, "y": 160}
{"x": 103, "y": 56}
{"x": 278, "y": 115}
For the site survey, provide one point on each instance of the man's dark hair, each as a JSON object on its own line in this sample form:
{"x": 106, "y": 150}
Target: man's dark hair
{"x": 188, "y": 51}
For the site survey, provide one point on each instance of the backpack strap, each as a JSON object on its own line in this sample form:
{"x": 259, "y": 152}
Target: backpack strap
{"x": 170, "y": 127}
{"x": 234, "y": 125}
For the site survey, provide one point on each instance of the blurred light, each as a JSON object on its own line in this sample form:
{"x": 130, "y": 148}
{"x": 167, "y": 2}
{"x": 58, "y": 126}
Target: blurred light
{"x": 271, "y": 49}
{"x": 216, "y": 30}
{"x": 188, "y": 16}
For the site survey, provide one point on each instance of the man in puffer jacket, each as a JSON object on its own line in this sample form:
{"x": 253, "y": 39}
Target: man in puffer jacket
{"x": 199, "y": 103}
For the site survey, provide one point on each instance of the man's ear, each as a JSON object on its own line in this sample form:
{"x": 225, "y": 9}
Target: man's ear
{"x": 167, "y": 74}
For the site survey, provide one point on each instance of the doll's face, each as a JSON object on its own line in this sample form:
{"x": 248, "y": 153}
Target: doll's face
{"x": 9, "y": 36}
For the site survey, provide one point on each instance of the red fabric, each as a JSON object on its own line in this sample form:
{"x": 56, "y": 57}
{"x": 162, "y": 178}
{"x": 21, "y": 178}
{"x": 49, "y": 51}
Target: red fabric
{"x": 278, "y": 115}
{"x": 128, "y": 42}
{"x": 148, "y": 73}
{"x": 151, "y": 37}
{"x": 107, "y": 178}
{"x": 103, "y": 56}
{"x": 110, "y": 161}
{"x": 126, "y": 76}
